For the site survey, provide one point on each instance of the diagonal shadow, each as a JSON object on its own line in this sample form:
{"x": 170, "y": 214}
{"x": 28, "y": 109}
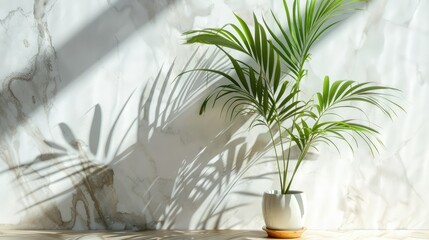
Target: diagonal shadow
{"x": 45, "y": 76}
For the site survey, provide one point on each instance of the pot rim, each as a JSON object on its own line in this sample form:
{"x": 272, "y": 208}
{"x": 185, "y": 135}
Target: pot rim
{"x": 277, "y": 192}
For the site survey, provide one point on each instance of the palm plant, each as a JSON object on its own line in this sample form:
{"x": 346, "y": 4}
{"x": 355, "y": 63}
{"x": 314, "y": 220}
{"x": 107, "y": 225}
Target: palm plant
{"x": 267, "y": 84}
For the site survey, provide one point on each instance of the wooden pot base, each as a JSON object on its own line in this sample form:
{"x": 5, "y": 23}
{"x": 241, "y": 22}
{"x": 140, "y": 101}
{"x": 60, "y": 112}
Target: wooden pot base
{"x": 275, "y": 233}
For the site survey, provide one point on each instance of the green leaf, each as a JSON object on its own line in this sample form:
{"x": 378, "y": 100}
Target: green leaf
{"x": 243, "y": 38}
{"x": 257, "y": 52}
{"x": 212, "y": 39}
{"x": 239, "y": 71}
{"x": 247, "y": 33}
{"x": 333, "y": 91}
{"x": 325, "y": 91}
{"x": 277, "y": 75}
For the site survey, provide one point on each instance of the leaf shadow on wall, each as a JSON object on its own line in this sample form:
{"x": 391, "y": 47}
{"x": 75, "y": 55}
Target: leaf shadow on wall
{"x": 74, "y": 174}
{"x": 80, "y": 174}
{"x": 209, "y": 158}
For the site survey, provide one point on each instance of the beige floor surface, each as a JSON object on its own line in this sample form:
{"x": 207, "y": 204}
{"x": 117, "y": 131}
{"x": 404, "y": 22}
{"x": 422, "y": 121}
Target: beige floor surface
{"x": 211, "y": 235}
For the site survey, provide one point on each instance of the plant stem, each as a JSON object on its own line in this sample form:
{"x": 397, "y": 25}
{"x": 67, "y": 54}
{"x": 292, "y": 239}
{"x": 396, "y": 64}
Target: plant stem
{"x": 277, "y": 158}
{"x": 283, "y": 156}
{"x": 295, "y": 98}
{"x": 288, "y": 157}
{"x": 300, "y": 158}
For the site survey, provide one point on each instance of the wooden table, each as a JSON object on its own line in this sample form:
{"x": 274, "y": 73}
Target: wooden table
{"x": 210, "y": 235}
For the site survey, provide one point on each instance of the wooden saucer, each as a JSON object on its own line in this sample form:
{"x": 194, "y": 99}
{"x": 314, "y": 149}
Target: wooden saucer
{"x": 283, "y": 233}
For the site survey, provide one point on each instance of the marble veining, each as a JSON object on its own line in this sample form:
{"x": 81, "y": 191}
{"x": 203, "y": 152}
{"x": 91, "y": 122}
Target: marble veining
{"x": 98, "y": 132}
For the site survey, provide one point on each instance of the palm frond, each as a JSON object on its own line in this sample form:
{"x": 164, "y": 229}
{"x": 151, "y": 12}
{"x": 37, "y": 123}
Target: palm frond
{"x": 259, "y": 86}
{"x": 293, "y": 44}
{"x": 240, "y": 38}
{"x": 342, "y": 93}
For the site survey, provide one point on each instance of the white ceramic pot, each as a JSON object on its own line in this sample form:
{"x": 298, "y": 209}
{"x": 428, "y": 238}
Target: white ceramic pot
{"x": 284, "y": 211}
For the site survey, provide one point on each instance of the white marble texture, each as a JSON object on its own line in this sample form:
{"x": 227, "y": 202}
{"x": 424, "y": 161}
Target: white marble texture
{"x": 96, "y": 134}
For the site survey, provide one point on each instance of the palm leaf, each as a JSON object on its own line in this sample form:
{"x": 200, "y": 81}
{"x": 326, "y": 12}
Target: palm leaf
{"x": 260, "y": 87}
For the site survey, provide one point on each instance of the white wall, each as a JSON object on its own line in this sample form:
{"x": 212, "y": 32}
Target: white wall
{"x": 95, "y": 133}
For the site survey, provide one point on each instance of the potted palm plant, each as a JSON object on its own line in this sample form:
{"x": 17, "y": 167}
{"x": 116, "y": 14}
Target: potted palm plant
{"x": 266, "y": 84}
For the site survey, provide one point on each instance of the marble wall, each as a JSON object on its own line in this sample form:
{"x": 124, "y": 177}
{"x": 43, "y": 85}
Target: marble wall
{"x": 96, "y": 131}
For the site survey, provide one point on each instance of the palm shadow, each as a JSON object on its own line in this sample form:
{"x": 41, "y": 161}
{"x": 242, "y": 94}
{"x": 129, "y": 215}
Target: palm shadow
{"x": 208, "y": 170}
{"x": 74, "y": 173}
{"x": 84, "y": 174}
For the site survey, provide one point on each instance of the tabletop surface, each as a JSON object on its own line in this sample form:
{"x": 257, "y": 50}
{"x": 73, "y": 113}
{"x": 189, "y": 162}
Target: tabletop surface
{"x": 212, "y": 234}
